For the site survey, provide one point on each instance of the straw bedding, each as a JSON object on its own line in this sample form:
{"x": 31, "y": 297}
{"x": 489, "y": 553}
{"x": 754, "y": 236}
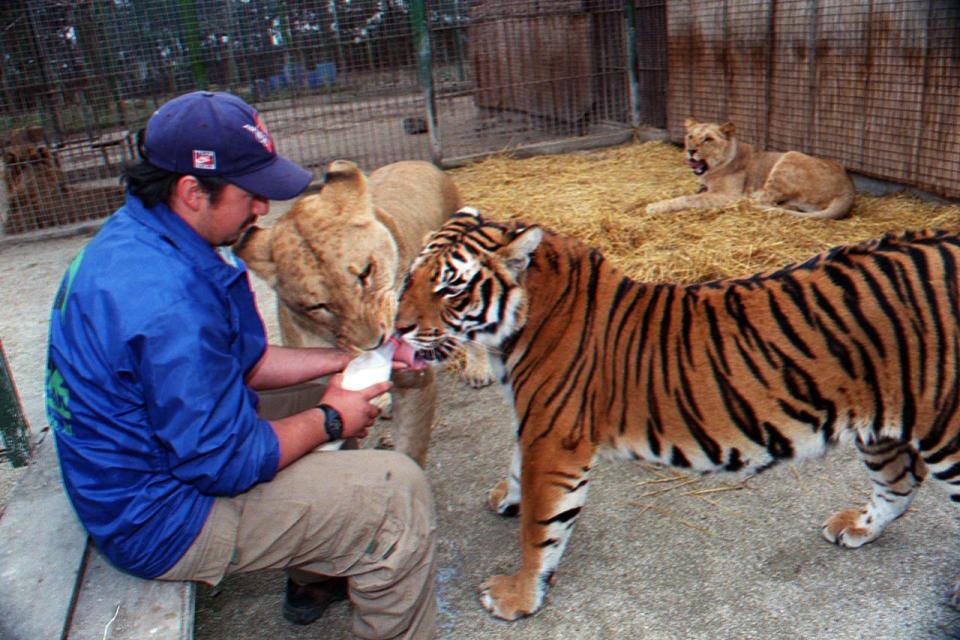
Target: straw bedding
{"x": 600, "y": 196}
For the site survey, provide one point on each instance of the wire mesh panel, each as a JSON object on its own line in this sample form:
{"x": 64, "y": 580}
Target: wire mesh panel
{"x": 871, "y": 83}
{"x": 370, "y": 80}
{"x": 537, "y": 72}
{"x": 748, "y": 68}
{"x": 936, "y": 162}
{"x": 651, "y": 29}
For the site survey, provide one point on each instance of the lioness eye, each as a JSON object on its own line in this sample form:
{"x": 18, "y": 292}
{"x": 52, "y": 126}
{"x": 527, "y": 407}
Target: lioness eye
{"x": 316, "y": 307}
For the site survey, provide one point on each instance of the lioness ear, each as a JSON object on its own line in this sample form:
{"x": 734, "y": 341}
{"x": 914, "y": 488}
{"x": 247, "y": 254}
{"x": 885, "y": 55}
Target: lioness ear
{"x": 345, "y": 198}
{"x": 728, "y": 128}
{"x": 341, "y": 170}
{"x": 516, "y": 255}
{"x": 255, "y": 249}
{"x": 690, "y": 122}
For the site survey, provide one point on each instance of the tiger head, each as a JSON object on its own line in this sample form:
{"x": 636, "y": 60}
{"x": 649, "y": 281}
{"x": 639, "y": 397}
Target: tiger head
{"x": 709, "y": 145}
{"x": 466, "y": 286}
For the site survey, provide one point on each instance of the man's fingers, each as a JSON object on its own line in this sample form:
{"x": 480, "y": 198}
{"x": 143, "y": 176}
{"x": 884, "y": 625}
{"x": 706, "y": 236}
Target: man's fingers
{"x": 376, "y": 389}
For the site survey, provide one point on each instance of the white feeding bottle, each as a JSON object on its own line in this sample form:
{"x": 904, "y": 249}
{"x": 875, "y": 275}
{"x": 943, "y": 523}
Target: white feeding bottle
{"x": 370, "y": 367}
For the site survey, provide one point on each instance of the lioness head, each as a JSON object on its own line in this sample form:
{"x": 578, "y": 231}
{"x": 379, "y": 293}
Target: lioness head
{"x": 709, "y": 145}
{"x": 332, "y": 264}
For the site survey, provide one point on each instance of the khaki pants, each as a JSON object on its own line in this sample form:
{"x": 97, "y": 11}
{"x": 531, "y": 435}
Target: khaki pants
{"x": 362, "y": 514}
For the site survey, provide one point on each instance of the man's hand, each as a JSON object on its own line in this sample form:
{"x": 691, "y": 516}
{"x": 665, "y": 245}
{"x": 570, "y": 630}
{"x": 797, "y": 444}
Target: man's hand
{"x": 355, "y": 409}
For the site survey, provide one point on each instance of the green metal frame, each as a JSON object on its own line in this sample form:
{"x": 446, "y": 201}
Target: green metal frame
{"x": 13, "y": 425}
{"x": 419, "y": 22}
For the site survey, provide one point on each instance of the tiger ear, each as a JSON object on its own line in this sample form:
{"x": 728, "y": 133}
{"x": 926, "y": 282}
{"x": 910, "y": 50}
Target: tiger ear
{"x": 255, "y": 249}
{"x": 516, "y": 255}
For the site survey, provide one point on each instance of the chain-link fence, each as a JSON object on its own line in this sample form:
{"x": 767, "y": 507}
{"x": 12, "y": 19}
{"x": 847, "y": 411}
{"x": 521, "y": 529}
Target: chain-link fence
{"x": 370, "y": 80}
{"x": 874, "y": 84}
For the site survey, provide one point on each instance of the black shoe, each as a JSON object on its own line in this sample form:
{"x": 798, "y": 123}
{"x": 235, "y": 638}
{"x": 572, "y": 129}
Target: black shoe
{"x": 306, "y": 603}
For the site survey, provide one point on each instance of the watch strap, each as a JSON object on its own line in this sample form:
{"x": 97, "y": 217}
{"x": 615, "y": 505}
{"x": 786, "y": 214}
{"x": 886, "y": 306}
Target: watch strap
{"x": 332, "y": 422}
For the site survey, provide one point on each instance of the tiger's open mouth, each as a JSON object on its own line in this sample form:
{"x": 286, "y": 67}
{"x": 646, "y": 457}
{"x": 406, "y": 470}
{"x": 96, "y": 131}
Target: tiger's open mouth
{"x": 437, "y": 352}
{"x": 699, "y": 167}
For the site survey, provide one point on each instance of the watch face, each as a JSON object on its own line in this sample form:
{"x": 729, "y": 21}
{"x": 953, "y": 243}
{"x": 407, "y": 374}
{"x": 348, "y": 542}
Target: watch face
{"x": 332, "y": 423}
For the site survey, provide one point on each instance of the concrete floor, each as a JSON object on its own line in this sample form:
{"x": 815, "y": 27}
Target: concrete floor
{"x": 648, "y": 560}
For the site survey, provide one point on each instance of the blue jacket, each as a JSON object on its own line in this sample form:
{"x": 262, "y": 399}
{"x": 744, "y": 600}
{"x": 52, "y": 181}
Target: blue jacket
{"x": 151, "y": 335}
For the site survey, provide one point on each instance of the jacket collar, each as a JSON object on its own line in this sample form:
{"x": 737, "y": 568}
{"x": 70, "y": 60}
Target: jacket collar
{"x": 174, "y": 229}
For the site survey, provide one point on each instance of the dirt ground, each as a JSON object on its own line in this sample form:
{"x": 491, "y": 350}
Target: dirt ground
{"x": 653, "y": 557}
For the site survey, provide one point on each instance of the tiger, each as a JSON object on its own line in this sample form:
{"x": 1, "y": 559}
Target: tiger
{"x": 729, "y": 375}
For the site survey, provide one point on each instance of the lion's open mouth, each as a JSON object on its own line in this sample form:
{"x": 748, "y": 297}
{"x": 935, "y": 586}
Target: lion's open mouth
{"x": 699, "y": 167}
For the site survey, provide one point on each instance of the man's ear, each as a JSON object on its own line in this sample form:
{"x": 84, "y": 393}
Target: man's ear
{"x": 254, "y": 248}
{"x": 188, "y": 191}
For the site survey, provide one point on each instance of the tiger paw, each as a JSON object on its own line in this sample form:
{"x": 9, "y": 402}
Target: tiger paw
{"x": 499, "y": 500}
{"x": 510, "y": 597}
{"x": 476, "y": 369}
{"x": 476, "y": 376}
{"x": 851, "y": 529}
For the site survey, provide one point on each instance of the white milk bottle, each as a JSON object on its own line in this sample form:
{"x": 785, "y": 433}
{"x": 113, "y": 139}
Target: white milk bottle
{"x": 370, "y": 367}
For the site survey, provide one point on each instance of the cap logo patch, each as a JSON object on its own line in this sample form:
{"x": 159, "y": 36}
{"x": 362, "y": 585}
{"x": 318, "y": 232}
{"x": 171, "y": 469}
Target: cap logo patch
{"x": 204, "y": 159}
{"x": 259, "y": 131}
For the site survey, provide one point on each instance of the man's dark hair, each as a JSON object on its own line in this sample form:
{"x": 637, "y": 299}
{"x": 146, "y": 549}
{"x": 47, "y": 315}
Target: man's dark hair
{"x": 153, "y": 185}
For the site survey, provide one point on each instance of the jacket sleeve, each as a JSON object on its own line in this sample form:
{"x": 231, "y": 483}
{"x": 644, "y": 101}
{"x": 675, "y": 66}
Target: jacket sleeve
{"x": 202, "y": 413}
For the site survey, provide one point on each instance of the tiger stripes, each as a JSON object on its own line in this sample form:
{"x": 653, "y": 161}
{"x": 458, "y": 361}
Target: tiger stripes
{"x": 729, "y": 375}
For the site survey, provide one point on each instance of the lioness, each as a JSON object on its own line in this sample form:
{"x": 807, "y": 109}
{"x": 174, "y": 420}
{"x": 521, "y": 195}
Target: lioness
{"x": 790, "y": 182}
{"x": 336, "y": 260}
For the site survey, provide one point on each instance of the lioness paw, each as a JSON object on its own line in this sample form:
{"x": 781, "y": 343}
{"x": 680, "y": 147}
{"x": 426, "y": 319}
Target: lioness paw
{"x": 510, "y": 597}
{"x": 384, "y": 402}
{"x": 658, "y": 207}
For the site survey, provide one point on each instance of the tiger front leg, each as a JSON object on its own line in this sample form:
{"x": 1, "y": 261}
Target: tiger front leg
{"x": 552, "y": 494}
{"x": 896, "y": 470}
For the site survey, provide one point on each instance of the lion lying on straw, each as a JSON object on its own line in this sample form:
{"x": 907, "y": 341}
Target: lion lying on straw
{"x": 790, "y": 182}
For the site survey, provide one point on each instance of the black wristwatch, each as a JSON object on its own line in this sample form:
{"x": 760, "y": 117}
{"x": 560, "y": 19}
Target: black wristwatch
{"x": 332, "y": 422}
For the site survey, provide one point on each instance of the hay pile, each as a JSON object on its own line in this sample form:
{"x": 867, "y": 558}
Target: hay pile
{"x": 599, "y": 197}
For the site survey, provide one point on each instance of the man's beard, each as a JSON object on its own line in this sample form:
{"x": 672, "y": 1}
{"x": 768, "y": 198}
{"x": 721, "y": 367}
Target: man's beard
{"x": 233, "y": 239}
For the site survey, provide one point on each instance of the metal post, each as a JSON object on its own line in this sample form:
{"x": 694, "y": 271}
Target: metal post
{"x": 630, "y": 16}
{"x": 13, "y": 425}
{"x": 421, "y": 37}
{"x": 811, "y": 137}
{"x": 191, "y": 28}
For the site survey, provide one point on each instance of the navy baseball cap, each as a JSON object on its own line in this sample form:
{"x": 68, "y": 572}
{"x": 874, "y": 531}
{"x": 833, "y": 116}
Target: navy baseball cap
{"x": 208, "y": 133}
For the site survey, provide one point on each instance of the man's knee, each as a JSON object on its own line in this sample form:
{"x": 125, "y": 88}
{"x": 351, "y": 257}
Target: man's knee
{"x": 401, "y": 471}
{"x": 411, "y": 496}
